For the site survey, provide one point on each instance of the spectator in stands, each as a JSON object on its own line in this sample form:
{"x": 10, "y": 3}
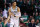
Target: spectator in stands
{"x": 9, "y": 5}
{"x": 25, "y": 16}
{"x": 5, "y": 12}
{"x": 33, "y": 13}
{"x": 37, "y": 22}
{"x": 21, "y": 22}
{"x": 8, "y": 24}
{"x": 4, "y": 22}
{"x": 36, "y": 7}
{"x": 39, "y": 17}
{"x": 21, "y": 2}
{"x": 36, "y": 16}
{"x": 28, "y": 2}
{"x": 27, "y": 23}
{"x": 4, "y": 19}
{"x": 31, "y": 17}
{"x": 32, "y": 24}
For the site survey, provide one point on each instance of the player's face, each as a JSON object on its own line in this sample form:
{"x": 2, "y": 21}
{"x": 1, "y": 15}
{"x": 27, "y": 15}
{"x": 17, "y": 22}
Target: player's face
{"x": 14, "y": 4}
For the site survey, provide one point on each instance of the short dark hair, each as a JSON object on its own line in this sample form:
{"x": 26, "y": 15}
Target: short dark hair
{"x": 13, "y": 2}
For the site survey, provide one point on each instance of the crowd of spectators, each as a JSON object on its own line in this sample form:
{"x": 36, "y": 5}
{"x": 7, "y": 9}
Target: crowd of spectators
{"x": 30, "y": 11}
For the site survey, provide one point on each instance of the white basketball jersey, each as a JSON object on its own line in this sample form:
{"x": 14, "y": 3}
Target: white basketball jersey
{"x": 14, "y": 11}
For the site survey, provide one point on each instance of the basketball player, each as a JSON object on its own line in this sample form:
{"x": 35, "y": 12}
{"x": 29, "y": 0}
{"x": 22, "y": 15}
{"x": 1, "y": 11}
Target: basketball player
{"x": 14, "y": 13}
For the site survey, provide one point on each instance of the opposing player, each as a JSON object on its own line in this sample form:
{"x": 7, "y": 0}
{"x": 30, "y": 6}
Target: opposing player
{"x": 14, "y": 13}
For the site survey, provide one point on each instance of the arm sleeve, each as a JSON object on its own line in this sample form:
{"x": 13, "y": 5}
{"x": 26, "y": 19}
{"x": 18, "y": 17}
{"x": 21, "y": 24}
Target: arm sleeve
{"x": 18, "y": 14}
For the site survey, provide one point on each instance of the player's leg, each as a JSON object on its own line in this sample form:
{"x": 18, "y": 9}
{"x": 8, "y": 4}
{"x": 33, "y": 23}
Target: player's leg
{"x": 16, "y": 24}
{"x": 11, "y": 23}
